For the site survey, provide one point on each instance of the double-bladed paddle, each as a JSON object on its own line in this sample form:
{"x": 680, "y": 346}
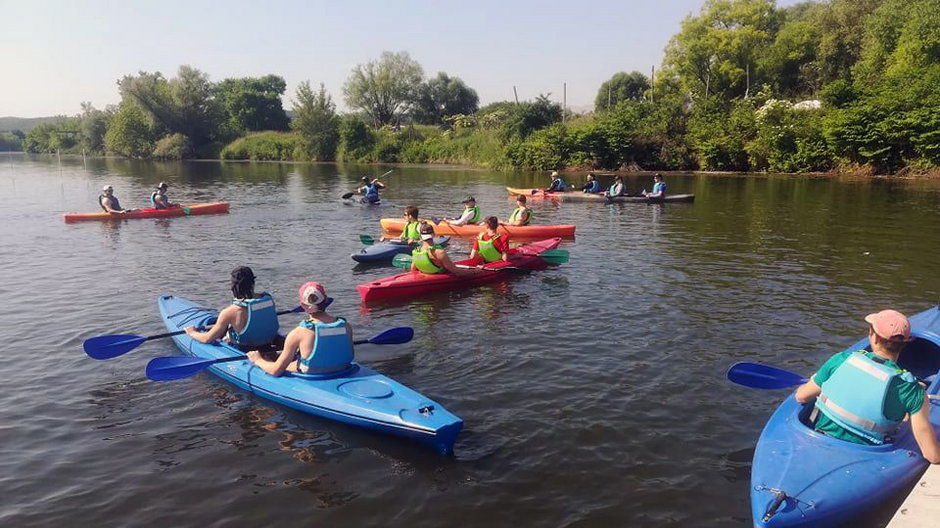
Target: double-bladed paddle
{"x": 759, "y": 376}
{"x": 350, "y": 194}
{"x": 170, "y": 368}
{"x": 112, "y": 346}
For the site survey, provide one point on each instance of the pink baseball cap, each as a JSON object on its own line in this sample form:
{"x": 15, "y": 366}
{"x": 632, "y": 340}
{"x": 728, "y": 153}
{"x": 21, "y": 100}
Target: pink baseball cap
{"x": 313, "y": 295}
{"x": 890, "y": 324}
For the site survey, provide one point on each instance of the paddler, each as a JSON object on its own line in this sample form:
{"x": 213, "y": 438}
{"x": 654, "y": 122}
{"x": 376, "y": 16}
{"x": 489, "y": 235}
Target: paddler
{"x": 521, "y": 215}
{"x": 470, "y": 215}
{"x": 617, "y": 189}
{"x": 159, "y": 199}
{"x": 320, "y": 344}
{"x": 557, "y": 185}
{"x": 863, "y": 396}
{"x": 659, "y": 188}
{"x": 592, "y": 185}
{"x": 490, "y": 245}
{"x": 370, "y": 189}
{"x": 249, "y": 321}
{"x": 109, "y": 202}
{"x": 431, "y": 258}
{"x": 409, "y": 233}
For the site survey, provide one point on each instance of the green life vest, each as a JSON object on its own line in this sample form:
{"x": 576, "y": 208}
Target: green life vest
{"x": 475, "y": 219}
{"x": 411, "y": 231}
{"x": 487, "y": 250}
{"x": 515, "y": 214}
{"x": 422, "y": 260}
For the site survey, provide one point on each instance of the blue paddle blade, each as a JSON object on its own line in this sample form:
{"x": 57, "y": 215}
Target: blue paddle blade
{"x": 436, "y": 220}
{"x": 394, "y": 336}
{"x": 759, "y": 376}
{"x": 111, "y": 346}
{"x": 176, "y": 367}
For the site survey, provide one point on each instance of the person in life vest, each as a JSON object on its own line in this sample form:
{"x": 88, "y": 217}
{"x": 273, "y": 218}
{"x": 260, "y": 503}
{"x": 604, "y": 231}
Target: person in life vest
{"x": 431, "y": 258}
{"x": 863, "y": 396}
{"x": 592, "y": 185}
{"x": 557, "y": 185}
{"x": 617, "y": 189}
{"x": 159, "y": 198}
{"x": 659, "y": 188}
{"x": 470, "y": 215}
{"x": 490, "y": 245}
{"x": 409, "y": 234}
{"x": 521, "y": 215}
{"x": 370, "y": 189}
{"x": 109, "y": 202}
{"x": 249, "y": 321}
{"x": 320, "y": 344}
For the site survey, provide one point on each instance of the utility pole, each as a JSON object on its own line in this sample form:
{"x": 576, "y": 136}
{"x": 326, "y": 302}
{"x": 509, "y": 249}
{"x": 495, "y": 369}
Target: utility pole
{"x": 515, "y": 93}
{"x": 564, "y": 101}
{"x": 652, "y": 81}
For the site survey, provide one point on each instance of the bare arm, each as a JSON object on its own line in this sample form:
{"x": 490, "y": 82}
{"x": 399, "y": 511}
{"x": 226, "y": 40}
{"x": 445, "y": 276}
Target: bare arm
{"x": 226, "y": 319}
{"x": 924, "y": 434}
{"x": 444, "y": 261}
{"x": 284, "y": 358}
{"x": 808, "y": 392}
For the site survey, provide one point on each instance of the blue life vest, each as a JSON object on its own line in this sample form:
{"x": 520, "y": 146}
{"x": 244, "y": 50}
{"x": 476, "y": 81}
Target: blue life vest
{"x": 332, "y": 349}
{"x": 854, "y": 397}
{"x": 593, "y": 188}
{"x": 114, "y": 200}
{"x": 262, "y": 325}
{"x": 153, "y": 200}
{"x": 558, "y": 185}
{"x": 616, "y": 192}
{"x": 371, "y": 192}
{"x": 659, "y": 187}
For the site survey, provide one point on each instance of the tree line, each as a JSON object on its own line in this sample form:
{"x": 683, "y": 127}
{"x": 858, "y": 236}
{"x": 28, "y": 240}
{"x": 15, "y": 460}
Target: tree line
{"x": 744, "y": 86}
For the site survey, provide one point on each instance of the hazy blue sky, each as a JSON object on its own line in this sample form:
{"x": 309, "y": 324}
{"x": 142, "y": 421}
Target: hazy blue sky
{"x": 57, "y": 54}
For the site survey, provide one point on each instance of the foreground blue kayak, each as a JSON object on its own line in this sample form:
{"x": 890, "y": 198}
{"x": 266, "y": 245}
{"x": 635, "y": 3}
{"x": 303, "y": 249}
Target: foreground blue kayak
{"x": 386, "y": 251}
{"x": 357, "y": 396}
{"x": 800, "y": 477}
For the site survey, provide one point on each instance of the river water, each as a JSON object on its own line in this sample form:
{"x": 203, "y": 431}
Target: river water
{"x": 593, "y": 394}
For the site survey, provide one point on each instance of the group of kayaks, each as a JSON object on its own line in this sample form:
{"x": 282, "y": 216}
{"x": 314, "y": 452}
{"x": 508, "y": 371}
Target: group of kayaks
{"x": 800, "y": 477}
{"x": 578, "y": 196}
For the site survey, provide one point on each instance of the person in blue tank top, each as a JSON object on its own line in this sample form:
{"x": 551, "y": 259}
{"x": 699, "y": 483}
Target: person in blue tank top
{"x": 659, "y": 188}
{"x": 370, "y": 189}
{"x": 109, "y": 202}
{"x": 592, "y": 185}
{"x": 249, "y": 321}
{"x": 557, "y": 185}
{"x": 159, "y": 198}
{"x": 320, "y": 344}
{"x": 863, "y": 396}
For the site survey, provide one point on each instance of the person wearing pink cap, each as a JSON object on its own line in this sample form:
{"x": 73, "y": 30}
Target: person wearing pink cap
{"x": 249, "y": 321}
{"x": 863, "y": 396}
{"x": 320, "y": 344}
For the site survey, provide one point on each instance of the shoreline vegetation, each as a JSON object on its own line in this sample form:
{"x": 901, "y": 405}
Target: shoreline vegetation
{"x": 846, "y": 87}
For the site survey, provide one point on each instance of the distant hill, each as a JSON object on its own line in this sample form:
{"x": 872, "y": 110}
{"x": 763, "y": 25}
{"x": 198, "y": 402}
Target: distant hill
{"x": 9, "y": 124}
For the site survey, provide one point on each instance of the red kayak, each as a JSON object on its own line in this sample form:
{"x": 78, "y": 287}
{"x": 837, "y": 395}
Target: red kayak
{"x": 406, "y": 285}
{"x": 183, "y": 210}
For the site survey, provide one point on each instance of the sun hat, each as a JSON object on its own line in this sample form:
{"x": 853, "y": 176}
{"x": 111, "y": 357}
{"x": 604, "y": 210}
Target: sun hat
{"x": 554, "y": 173}
{"x": 313, "y": 295}
{"x": 890, "y": 324}
{"x": 107, "y": 188}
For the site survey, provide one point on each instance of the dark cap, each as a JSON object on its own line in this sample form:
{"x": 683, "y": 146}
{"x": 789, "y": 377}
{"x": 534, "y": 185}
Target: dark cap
{"x": 162, "y": 185}
{"x": 520, "y": 198}
{"x": 365, "y": 178}
{"x": 468, "y": 199}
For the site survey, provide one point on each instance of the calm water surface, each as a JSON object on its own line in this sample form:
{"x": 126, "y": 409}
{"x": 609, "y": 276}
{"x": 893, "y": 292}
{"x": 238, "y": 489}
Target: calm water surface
{"x": 593, "y": 394}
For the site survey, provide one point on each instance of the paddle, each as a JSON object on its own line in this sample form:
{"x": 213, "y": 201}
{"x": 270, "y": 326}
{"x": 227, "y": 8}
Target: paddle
{"x": 366, "y": 240}
{"x": 112, "y": 346}
{"x": 170, "y": 368}
{"x": 759, "y": 376}
{"x": 350, "y": 194}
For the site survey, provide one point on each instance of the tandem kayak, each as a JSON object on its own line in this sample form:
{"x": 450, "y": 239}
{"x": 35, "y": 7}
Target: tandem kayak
{"x": 357, "y": 396}
{"x": 395, "y": 225}
{"x": 577, "y": 196}
{"x": 182, "y": 210}
{"x": 800, "y": 477}
{"x": 386, "y": 251}
{"x": 406, "y": 285}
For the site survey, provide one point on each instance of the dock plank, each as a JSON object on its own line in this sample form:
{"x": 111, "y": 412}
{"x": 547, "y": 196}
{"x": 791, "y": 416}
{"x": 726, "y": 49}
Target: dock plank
{"x": 921, "y": 509}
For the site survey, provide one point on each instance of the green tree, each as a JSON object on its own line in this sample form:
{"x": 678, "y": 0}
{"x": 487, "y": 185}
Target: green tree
{"x": 621, "y": 87}
{"x": 94, "y": 126}
{"x": 527, "y": 117}
{"x": 130, "y": 132}
{"x": 253, "y": 103}
{"x": 444, "y": 96}
{"x": 355, "y": 140}
{"x": 316, "y": 122}
{"x": 384, "y": 89}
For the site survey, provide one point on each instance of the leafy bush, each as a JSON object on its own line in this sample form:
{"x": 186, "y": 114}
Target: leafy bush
{"x": 262, "y": 146}
{"x": 173, "y": 147}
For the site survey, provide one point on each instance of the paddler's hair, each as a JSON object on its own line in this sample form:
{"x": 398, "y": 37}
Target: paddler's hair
{"x": 491, "y": 222}
{"x": 243, "y": 283}
{"x": 412, "y": 211}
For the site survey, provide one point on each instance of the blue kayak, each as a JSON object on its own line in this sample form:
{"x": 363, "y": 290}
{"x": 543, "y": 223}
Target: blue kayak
{"x": 800, "y": 477}
{"x": 357, "y": 396}
{"x": 386, "y": 251}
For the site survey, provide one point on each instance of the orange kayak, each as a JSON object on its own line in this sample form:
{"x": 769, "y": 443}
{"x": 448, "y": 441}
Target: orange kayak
{"x": 183, "y": 210}
{"x": 395, "y": 225}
